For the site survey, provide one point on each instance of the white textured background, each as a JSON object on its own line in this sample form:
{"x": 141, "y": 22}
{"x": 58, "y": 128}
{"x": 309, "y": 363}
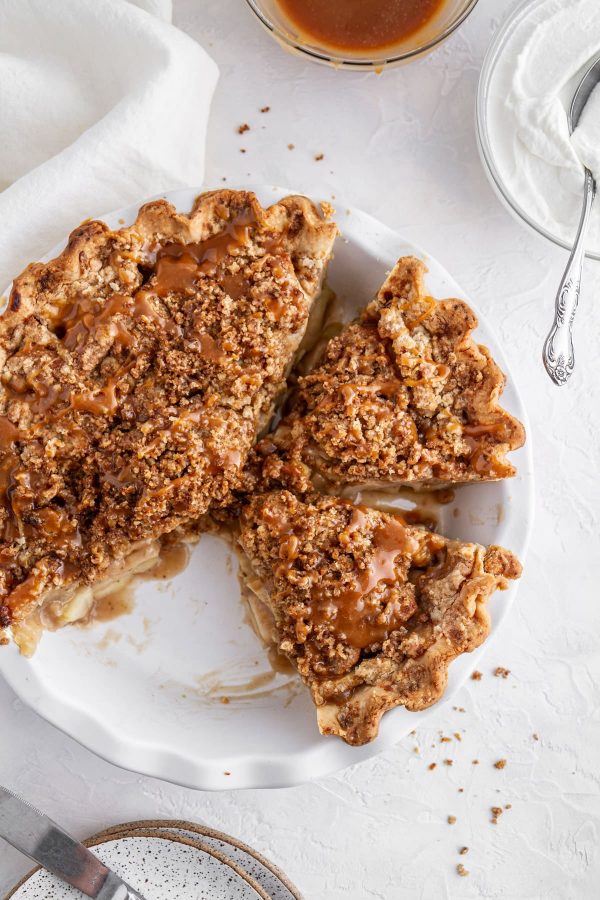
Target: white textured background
{"x": 402, "y": 147}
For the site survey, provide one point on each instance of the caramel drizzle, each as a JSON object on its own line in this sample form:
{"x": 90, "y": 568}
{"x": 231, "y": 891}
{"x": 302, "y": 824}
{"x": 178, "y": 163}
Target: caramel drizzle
{"x": 178, "y": 266}
{"x": 481, "y": 459}
{"x": 362, "y": 621}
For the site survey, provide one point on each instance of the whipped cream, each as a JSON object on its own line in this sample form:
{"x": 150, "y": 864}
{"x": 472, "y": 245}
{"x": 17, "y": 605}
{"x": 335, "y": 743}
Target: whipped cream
{"x": 530, "y": 90}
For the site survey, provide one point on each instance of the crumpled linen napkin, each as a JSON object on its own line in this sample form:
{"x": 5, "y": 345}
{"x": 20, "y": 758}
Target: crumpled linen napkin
{"x": 102, "y": 103}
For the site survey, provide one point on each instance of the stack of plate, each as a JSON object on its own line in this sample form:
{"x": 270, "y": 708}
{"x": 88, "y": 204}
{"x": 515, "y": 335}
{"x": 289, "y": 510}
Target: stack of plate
{"x": 166, "y": 860}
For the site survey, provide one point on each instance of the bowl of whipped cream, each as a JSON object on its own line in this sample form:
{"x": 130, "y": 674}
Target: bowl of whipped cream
{"x": 531, "y": 71}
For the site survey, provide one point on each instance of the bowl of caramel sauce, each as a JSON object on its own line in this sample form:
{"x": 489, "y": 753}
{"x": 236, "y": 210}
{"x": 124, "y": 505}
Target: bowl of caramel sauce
{"x": 355, "y": 34}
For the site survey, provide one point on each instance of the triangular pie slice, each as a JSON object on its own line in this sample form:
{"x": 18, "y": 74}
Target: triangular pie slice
{"x": 402, "y": 396}
{"x": 137, "y": 369}
{"x": 369, "y": 609}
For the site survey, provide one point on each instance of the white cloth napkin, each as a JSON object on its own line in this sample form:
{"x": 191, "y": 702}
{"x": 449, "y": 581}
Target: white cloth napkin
{"x": 102, "y": 103}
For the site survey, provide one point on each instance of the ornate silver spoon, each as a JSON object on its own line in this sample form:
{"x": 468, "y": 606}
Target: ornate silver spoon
{"x": 558, "y": 355}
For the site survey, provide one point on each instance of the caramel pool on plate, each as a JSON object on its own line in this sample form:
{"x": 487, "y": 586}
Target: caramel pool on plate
{"x": 359, "y": 24}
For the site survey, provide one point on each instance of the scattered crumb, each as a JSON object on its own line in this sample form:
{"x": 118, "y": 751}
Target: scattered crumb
{"x": 223, "y": 178}
{"x": 536, "y": 737}
{"x": 476, "y": 676}
{"x": 432, "y": 766}
{"x": 462, "y": 871}
{"x": 451, "y": 820}
{"x": 448, "y": 762}
{"x": 243, "y": 128}
{"x": 475, "y": 762}
{"x": 242, "y": 149}
{"x": 457, "y": 736}
{"x": 226, "y": 773}
{"x": 291, "y": 146}
{"x": 329, "y": 211}
{"x": 496, "y": 813}
{"x": 264, "y": 109}
{"x": 225, "y": 700}
{"x": 499, "y": 764}
{"x": 508, "y": 806}
{"x": 414, "y": 731}
{"x": 461, "y": 709}
{"x": 463, "y": 850}
{"x": 501, "y": 672}
{"x": 444, "y": 740}
{"x": 461, "y": 790}
{"x": 121, "y": 221}
{"x": 416, "y": 750}
{"x": 319, "y": 157}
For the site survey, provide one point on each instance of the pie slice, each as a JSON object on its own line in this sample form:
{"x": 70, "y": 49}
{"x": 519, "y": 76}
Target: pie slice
{"x": 369, "y": 609}
{"x": 403, "y": 396}
{"x": 137, "y": 368}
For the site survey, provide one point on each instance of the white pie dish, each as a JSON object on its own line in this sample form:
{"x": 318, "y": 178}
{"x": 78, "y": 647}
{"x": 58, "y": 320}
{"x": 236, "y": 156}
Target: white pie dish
{"x": 145, "y": 691}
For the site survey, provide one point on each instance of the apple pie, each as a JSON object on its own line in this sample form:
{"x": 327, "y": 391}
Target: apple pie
{"x": 402, "y": 396}
{"x": 137, "y": 369}
{"x": 369, "y": 609}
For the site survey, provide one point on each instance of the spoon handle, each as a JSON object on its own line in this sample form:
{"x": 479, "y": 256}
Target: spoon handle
{"x": 558, "y": 354}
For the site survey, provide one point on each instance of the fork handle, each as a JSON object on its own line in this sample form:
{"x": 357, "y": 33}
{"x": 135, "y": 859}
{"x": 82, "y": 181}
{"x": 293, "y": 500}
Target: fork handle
{"x": 558, "y": 354}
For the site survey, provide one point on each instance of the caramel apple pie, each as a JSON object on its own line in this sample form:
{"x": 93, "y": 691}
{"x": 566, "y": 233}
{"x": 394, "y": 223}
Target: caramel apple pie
{"x": 402, "y": 396}
{"x": 137, "y": 369}
{"x": 369, "y": 609}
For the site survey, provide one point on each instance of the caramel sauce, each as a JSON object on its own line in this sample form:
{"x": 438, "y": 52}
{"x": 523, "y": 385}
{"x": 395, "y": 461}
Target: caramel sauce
{"x": 173, "y": 559}
{"x": 205, "y": 255}
{"x": 359, "y": 24}
{"x": 482, "y": 463}
{"x": 280, "y": 663}
{"x": 481, "y": 457}
{"x": 102, "y": 402}
{"x": 9, "y": 433}
{"x": 175, "y": 274}
{"x": 351, "y": 613}
{"x": 83, "y": 318}
{"x": 495, "y": 428}
{"x": 55, "y": 521}
{"x": 116, "y": 603}
{"x": 385, "y": 388}
{"x": 235, "y": 286}
{"x": 209, "y": 348}
{"x": 276, "y": 307}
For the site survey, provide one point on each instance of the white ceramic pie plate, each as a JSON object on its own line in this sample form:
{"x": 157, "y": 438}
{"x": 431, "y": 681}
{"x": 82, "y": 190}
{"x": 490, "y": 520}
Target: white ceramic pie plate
{"x": 145, "y": 691}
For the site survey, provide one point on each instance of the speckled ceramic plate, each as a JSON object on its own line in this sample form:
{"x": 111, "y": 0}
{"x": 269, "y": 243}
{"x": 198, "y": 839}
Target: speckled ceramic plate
{"x": 146, "y": 691}
{"x": 161, "y": 867}
{"x": 268, "y": 876}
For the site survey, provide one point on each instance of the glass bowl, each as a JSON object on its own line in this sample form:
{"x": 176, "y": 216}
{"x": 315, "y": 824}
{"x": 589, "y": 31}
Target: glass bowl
{"x": 484, "y": 141}
{"x": 447, "y": 20}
